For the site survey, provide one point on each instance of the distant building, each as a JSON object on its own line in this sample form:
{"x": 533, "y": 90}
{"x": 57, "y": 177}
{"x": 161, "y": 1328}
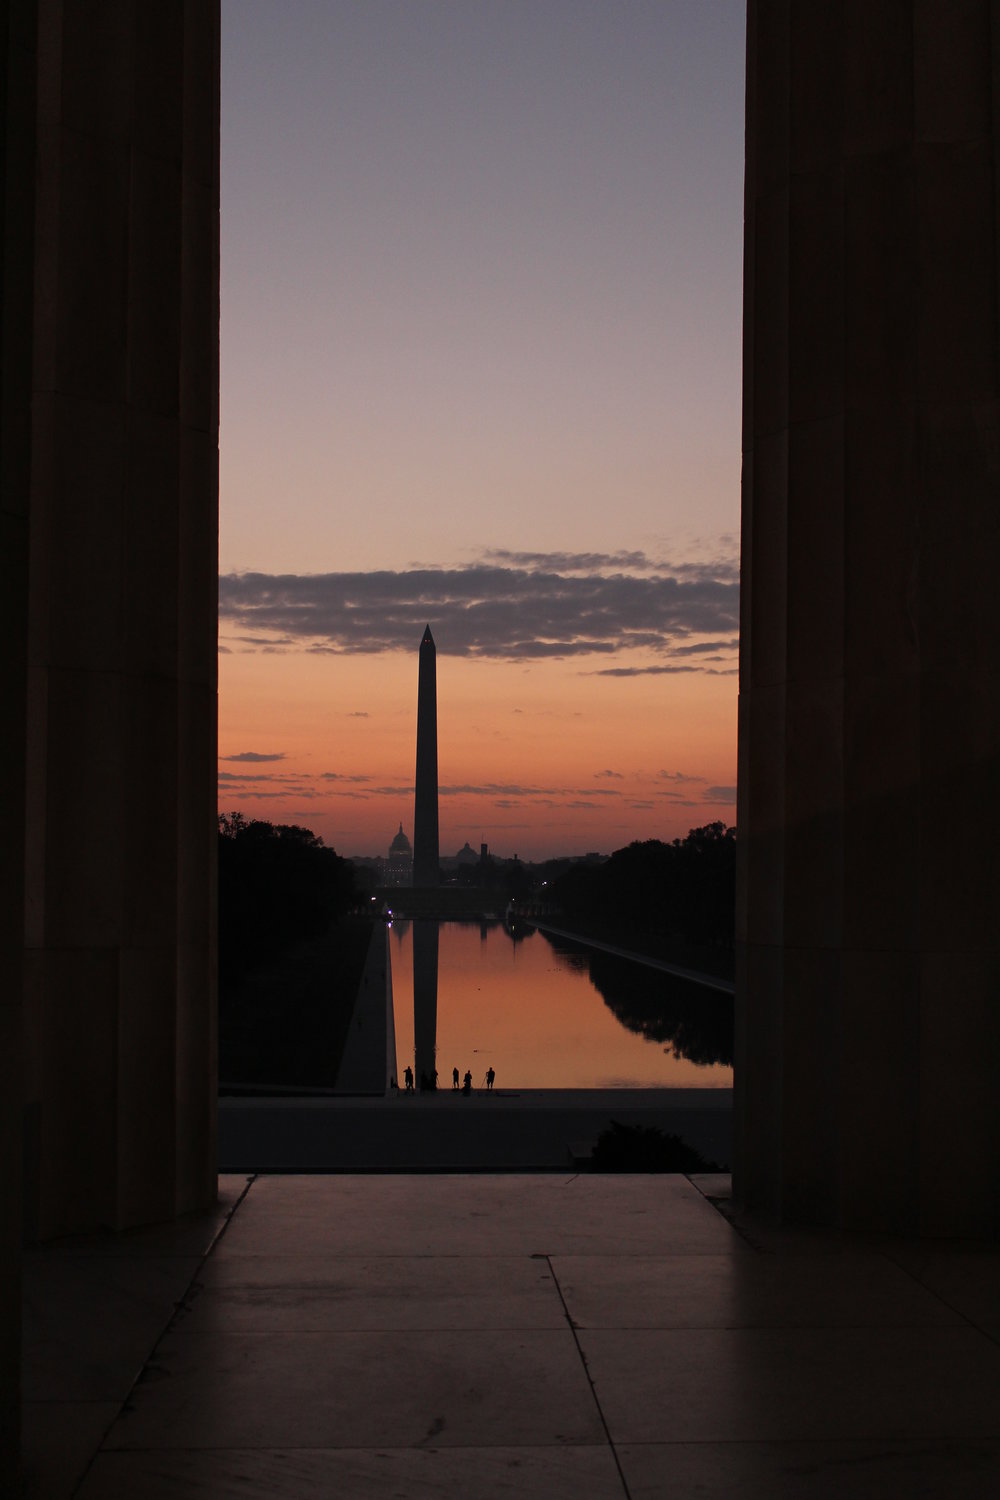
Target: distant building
{"x": 399, "y": 866}
{"x": 466, "y": 855}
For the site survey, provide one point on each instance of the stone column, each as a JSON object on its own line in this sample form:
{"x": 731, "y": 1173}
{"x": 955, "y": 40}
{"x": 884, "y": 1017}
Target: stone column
{"x": 17, "y": 202}
{"x": 119, "y": 1073}
{"x": 868, "y": 1016}
{"x": 108, "y": 459}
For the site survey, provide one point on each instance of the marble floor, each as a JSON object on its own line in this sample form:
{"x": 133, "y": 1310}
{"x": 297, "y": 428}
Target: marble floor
{"x": 513, "y": 1335}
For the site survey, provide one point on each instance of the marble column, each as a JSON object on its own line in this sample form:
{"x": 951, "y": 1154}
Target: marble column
{"x": 868, "y": 1015}
{"x": 18, "y": 68}
{"x": 108, "y": 563}
{"x": 119, "y": 1072}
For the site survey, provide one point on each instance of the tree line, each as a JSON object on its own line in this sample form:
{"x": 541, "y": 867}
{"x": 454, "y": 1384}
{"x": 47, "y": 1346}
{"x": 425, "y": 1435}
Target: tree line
{"x": 684, "y": 890}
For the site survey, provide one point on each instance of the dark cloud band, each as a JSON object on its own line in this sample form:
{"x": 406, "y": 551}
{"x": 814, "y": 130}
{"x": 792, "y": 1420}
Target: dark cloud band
{"x": 523, "y": 612}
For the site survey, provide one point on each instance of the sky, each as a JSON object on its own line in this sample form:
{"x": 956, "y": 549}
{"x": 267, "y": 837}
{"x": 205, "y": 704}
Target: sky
{"x": 481, "y": 323}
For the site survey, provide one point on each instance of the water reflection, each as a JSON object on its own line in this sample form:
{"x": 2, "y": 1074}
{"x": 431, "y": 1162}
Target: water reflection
{"x": 547, "y": 1013}
{"x": 697, "y": 1023}
{"x": 425, "y": 988}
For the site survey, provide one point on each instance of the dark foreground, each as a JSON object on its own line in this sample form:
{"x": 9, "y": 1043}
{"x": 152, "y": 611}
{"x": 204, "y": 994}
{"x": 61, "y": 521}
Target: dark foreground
{"x": 535, "y": 1130}
{"x": 558, "y": 1337}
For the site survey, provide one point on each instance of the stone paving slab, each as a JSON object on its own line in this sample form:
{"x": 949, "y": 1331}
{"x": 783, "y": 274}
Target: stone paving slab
{"x": 537, "y": 1335}
{"x": 564, "y": 1473}
{"x": 58, "y": 1442}
{"x": 90, "y": 1321}
{"x": 919, "y": 1470}
{"x": 778, "y": 1384}
{"x": 308, "y": 1390}
{"x": 283, "y": 1294}
{"x": 745, "y": 1291}
{"x": 478, "y": 1215}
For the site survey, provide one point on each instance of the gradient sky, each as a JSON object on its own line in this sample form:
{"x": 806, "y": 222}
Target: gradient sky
{"x": 481, "y": 305}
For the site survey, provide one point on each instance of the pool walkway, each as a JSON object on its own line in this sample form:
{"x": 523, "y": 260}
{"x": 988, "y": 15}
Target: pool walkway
{"x": 537, "y": 1130}
{"x": 563, "y": 1337}
{"x": 694, "y": 976}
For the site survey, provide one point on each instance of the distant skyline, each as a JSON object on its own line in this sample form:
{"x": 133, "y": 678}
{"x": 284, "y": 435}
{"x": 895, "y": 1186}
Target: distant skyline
{"x": 481, "y": 303}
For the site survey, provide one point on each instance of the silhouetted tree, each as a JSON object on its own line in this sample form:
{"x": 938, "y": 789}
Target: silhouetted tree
{"x": 278, "y": 884}
{"x": 685, "y": 889}
{"x": 645, "y": 1148}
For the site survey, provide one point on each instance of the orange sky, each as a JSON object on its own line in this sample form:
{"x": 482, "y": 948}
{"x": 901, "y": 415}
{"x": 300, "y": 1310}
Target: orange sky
{"x": 535, "y": 760}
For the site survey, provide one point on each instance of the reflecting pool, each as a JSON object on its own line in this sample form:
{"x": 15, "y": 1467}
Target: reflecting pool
{"x": 548, "y": 1013}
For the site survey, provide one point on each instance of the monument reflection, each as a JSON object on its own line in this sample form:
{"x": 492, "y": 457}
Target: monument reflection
{"x": 425, "y": 988}
{"x": 545, "y": 1014}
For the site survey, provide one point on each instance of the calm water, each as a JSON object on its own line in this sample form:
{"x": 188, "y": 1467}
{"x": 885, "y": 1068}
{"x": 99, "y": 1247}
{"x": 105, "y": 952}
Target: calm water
{"x": 549, "y": 1014}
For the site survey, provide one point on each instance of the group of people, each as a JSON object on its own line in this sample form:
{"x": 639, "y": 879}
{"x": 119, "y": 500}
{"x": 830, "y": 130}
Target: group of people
{"x": 428, "y": 1083}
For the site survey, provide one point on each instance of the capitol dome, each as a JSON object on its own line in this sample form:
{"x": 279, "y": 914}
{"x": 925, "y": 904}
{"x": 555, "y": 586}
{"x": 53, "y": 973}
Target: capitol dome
{"x": 400, "y": 844}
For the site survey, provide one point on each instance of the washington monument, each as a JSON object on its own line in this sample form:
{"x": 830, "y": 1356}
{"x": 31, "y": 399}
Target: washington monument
{"x": 426, "y": 867}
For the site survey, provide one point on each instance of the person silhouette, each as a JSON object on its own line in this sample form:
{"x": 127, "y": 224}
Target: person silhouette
{"x": 467, "y": 1083}
{"x": 408, "y": 1075}
{"x": 454, "y": 1078}
{"x": 490, "y": 1075}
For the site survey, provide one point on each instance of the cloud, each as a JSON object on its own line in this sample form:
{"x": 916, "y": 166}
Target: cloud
{"x": 254, "y": 795}
{"x": 534, "y": 606}
{"x": 719, "y": 794}
{"x": 358, "y": 714}
{"x": 696, "y": 648}
{"x": 613, "y": 775}
{"x": 336, "y": 776}
{"x": 569, "y": 562}
{"x": 548, "y": 794}
{"x": 492, "y": 789}
{"x": 662, "y": 671}
{"x": 254, "y": 756}
{"x": 680, "y": 777}
{"x": 268, "y": 642}
{"x": 724, "y": 565}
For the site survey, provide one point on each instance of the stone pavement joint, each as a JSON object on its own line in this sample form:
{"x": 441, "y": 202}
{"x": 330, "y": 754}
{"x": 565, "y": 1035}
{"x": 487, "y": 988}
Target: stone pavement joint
{"x": 559, "y": 1336}
{"x": 583, "y": 1361}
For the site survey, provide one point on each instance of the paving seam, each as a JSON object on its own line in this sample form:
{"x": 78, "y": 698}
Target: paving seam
{"x": 179, "y": 1306}
{"x": 967, "y": 1319}
{"x": 586, "y": 1370}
